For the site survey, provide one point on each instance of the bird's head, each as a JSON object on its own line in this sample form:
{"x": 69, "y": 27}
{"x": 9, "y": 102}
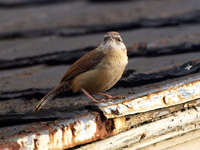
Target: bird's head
{"x": 113, "y": 40}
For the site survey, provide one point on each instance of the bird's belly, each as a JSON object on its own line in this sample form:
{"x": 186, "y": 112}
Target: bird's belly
{"x": 99, "y": 79}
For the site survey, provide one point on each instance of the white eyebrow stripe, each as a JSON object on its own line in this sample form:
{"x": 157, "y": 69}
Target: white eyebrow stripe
{"x": 117, "y": 36}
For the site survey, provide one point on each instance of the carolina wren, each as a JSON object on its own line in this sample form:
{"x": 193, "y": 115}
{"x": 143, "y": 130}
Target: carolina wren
{"x": 95, "y": 72}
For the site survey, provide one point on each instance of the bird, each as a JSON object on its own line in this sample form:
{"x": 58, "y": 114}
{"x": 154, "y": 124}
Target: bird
{"x": 95, "y": 72}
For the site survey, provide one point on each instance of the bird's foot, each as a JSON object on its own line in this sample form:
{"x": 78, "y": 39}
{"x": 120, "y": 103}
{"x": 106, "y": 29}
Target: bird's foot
{"x": 98, "y": 101}
{"x": 108, "y": 98}
{"x": 112, "y": 97}
{"x": 92, "y": 98}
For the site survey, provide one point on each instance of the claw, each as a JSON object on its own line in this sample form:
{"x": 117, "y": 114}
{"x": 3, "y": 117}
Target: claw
{"x": 108, "y": 98}
{"x": 112, "y": 97}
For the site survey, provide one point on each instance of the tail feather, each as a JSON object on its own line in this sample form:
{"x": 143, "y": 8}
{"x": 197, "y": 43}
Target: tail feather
{"x": 60, "y": 88}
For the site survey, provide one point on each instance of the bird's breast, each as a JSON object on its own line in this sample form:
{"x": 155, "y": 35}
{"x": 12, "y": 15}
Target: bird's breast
{"x": 103, "y": 76}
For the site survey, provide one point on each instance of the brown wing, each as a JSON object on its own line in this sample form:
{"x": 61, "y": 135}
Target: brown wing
{"x": 85, "y": 63}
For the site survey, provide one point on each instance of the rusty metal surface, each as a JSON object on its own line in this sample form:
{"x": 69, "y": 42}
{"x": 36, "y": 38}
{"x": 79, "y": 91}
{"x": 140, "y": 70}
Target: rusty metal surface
{"x": 168, "y": 95}
{"x": 60, "y": 134}
{"x": 66, "y": 133}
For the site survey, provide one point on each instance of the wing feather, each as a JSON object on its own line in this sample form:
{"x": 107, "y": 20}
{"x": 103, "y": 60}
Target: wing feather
{"x": 85, "y": 63}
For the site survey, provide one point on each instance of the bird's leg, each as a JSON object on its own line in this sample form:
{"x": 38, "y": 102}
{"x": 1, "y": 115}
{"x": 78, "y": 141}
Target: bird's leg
{"x": 90, "y": 96}
{"x": 112, "y": 97}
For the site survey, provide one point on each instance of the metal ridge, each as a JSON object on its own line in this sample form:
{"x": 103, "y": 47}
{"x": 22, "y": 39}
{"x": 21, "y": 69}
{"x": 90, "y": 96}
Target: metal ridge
{"x": 168, "y": 95}
{"x": 59, "y": 134}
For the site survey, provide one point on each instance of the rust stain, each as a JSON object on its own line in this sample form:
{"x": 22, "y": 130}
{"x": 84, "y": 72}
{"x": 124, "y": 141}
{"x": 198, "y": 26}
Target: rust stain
{"x": 81, "y": 131}
{"x": 142, "y": 136}
{"x": 35, "y": 144}
{"x": 63, "y": 128}
{"x": 22, "y": 143}
{"x": 10, "y": 146}
{"x": 73, "y": 129}
{"x": 65, "y": 134}
{"x": 100, "y": 128}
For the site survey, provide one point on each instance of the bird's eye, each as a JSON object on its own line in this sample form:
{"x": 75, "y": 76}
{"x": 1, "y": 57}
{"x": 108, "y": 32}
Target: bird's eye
{"x": 119, "y": 39}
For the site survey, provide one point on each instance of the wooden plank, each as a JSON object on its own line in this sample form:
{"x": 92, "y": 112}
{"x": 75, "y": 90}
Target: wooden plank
{"x": 182, "y": 142}
{"x": 190, "y": 144}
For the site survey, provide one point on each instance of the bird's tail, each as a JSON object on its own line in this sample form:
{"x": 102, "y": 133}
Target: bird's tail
{"x": 60, "y": 88}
